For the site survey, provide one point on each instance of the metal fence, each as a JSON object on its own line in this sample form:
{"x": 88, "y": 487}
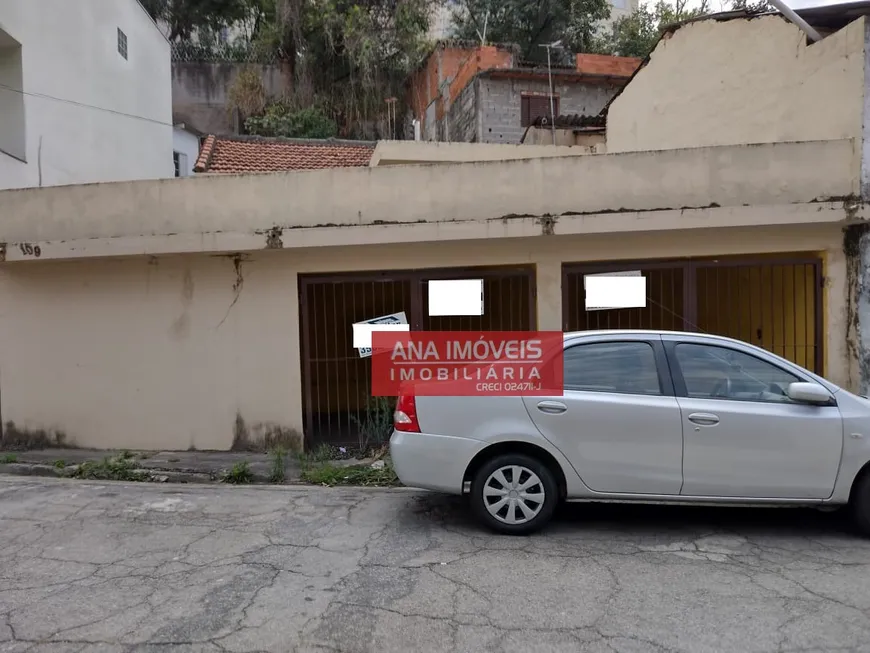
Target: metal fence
{"x": 336, "y": 381}
{"x": 775, "y": 303}
{"x": 198, "y": 53}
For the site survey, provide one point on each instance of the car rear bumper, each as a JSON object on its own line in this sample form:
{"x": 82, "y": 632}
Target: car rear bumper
{"x": 432, "y": 462}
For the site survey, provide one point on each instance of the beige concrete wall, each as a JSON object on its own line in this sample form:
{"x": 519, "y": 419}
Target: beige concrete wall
{"x": 742, "y": 81}
{"x": 468, "y": 200}
{"x": 388, "y": 153}
{"x": 590, "y": 142}
{"x": 165, "y": 352}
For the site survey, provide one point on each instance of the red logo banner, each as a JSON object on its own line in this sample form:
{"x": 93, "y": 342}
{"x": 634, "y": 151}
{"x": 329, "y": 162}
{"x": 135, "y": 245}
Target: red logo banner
{"x": 464, "y": 363}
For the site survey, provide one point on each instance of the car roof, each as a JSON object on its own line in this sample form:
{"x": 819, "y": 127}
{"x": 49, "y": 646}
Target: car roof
{"x": 651, "y": 332}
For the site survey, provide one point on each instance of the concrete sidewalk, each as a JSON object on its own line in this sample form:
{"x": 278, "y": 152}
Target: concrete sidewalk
{"x": 160, "y": 466}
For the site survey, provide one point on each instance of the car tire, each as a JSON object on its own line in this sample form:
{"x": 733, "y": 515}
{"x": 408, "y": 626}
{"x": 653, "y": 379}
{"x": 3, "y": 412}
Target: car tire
{"x": 526, "y": 503}
{"x": 859, "y": 505}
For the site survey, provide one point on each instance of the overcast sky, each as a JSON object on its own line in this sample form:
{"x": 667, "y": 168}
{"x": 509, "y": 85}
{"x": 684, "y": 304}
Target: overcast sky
{"x": 717, "y": 5}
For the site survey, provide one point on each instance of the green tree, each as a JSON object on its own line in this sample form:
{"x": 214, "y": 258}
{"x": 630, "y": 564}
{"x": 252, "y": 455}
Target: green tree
{"x": 281, "y": 120}
{"x": 185, "y": 16}
{"x": 750, "y": 6}
{"x": 637, "y": 34}
{"x": 344, "y": 56}
{"x": 532, "y": 23}
{"x": 348, "y": 56}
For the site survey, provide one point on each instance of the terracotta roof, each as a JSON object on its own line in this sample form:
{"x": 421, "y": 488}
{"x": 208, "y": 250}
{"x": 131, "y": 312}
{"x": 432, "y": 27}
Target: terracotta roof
{"x": 239, "y": 154}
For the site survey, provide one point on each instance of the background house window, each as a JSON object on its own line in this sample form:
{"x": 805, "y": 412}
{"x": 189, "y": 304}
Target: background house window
{"x": 122, "y": 43}
{"x": 536, "y": 106}
{"x": 181, "y": 167}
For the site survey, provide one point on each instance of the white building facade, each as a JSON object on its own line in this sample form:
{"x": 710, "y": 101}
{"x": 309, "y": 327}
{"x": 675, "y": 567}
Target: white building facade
{"x": 185, "y": 149}
{"x": 85, "y": 93}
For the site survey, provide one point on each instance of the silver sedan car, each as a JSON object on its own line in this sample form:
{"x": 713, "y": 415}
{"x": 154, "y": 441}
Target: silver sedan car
{"x": 645, "y": 416}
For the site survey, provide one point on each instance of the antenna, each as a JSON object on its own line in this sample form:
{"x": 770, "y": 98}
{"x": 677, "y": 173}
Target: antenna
{"x": 485, "y": 22}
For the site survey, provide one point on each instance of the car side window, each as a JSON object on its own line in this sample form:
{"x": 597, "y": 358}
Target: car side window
{"x": 621, "y": 367}
{"x": 712, "y": 372}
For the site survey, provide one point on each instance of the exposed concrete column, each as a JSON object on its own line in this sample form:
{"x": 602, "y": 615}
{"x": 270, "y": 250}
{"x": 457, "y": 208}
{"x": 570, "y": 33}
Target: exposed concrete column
{"x": 857, "y": 250}
{"x": 840, "y": 363}
{"x": 549, "y": 294}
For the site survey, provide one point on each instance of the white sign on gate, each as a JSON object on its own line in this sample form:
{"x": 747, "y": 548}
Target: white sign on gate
{"x": 362, "y": 331}
{"x": 610, "y": 290}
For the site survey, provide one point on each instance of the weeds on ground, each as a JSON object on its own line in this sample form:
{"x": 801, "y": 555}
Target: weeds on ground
{"x": 331, "y": 474}
{"x": 279, "y": 457}
{"x": 320, "y": 468}
{"x": 376, "y": 425}
{"x": 239, "y": 474}
{"x": 118, "y": 468}
{"x": 59, "y": 464}
{"x": 321, "y": 454}
{"x": 9, "y": 458}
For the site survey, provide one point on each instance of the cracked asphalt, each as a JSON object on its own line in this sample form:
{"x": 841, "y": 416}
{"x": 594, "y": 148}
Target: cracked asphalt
{"x": 102, "y": 567}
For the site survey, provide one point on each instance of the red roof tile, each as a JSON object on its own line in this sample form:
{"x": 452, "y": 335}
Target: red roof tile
{"x": 240, "y": 154}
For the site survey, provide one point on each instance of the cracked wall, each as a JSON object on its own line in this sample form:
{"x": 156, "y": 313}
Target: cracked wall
{"x": 166, "y": 352}
{"x": 154, "y": 353}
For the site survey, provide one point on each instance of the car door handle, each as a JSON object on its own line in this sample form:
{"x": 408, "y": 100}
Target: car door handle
{"x": 553, "y": 407}
{"x": 704, "y": 419}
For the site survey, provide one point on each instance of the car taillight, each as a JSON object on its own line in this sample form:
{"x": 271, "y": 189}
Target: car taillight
{"x": 405, "y": 417}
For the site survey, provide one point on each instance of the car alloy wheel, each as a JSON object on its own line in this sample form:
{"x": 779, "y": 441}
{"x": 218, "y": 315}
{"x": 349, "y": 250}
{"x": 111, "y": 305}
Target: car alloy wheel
{"x": 514, "y": 494}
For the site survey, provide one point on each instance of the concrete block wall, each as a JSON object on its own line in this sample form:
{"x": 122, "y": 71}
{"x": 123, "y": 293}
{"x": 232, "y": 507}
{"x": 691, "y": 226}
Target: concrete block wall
{"x": 500, "y": 104}
{"x": 462, "y": 118}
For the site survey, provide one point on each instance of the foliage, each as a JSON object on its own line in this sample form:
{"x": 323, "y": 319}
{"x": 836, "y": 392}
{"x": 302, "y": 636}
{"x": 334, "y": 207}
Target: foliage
{"x": 117, "y": 468}
{"x": 345, "y": 56}
{"x": 9, "y": 458}
{"x": 59, "y": 464}
{"x": 185, "y": 16}
{"x": 366, "y": 475}
{"x": 323, "y": 453}
{"x": 376, "y": 426}
{"x": 532, "y": 24}
{"x": 637, "y": 34}
{"x": 278, "y": 473}
{"x": 280, "y": 120}
{"x": 239, "y": 474}
{"x": 247, "y": 93}
{"x": 354, "y": 55}
{"x": 750, "y": 6}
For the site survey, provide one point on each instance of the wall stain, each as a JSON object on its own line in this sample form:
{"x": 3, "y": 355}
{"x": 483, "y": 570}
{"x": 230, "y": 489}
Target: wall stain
{"x": 273, "y": 238}
{"x": 180, "y": 328}
{"x": 548, "y": 225}
{"x": 855, "y": 241}
{"x": 264, "y": 436}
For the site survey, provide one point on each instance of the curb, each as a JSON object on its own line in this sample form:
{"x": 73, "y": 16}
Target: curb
{"x": 147, "y": 475}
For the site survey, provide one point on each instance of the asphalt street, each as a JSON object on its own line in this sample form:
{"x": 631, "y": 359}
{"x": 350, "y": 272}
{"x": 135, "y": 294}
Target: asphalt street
{"x": 101, "y": 567}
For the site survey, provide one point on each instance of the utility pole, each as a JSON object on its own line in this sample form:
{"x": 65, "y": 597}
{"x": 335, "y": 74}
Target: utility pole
{"x": 556, "y": 44}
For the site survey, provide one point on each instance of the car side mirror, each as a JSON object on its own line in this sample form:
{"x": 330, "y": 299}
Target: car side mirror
{"x": 808, "y": 393}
